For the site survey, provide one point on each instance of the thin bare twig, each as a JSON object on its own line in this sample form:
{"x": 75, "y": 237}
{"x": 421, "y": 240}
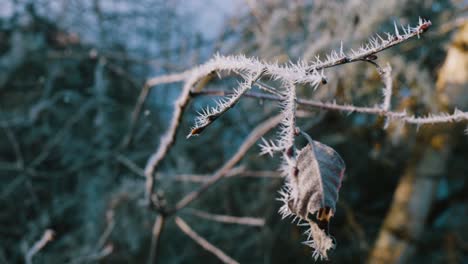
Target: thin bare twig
{"x": 102, "y": 250}
{"x": 184, "y": 227}
{"x": 40, "y": 244}
{"x": 172, "y": 78}
{"x": 228, "y": 219}
{"x": 167, "y": 140}
{"x": 235, "y": 172}
{"x": 108, "y": 231}
{"x": 201, "y": 178}
{"x": 239, "y": 171}
{"x": 260, "y": 174}
{"x": 130, "y": 165}
{"x": 255, "y": 135}
{"x": 68, "y": 125}
{"x": 157, "y": 230}
{"x": 135, "y": 115}
{"x": 14, "y": 144}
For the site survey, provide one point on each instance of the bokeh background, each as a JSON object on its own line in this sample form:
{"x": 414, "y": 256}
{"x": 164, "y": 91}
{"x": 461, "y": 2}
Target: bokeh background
{"x": 70, "y": 75}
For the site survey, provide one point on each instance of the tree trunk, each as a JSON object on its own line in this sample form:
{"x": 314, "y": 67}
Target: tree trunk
{"x": 415, "y": 193}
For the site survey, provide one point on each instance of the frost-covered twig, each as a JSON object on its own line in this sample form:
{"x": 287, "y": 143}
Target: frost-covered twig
{"x": 288, "y": 125}
{"x": 287, "y": 133}
{"x": 388, "y": 86}
{"x": 375, "y": 45}
{"x": 293, "y": 73}
{"x": 303, "y": 196}
{"x": 457, "y": 116}
{"x": 210, "y": 114}
{"x": 401, "y": 116}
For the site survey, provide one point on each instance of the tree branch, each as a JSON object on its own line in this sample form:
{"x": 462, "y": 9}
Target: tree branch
{"x": 255, "y": 135}
{"x": 457, "y": 115}
{"x": 375, "y": 45}
{"x": 251, "y": 221}
{"x": 40, "y": 244}
{"x": 203, "y": 242}
{"x": 157, "y": 230}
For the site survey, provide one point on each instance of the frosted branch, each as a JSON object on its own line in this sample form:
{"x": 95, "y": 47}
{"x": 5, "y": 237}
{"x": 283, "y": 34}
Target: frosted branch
{"x": 268, "y": 147}
{"x": 289, "y": 76}
{"x": 457, "y": 116}
{"x": 171, "y": 78}
{"x": 167, "y": 140}
{"x": 287, "y": 131}
{"x": 387, "y": 91}
{"x": 375, "y": 45}
{"x": 210, "y": 114}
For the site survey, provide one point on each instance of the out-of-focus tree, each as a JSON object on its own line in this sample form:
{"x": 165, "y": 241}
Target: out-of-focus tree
{"x": 72, "y": 155}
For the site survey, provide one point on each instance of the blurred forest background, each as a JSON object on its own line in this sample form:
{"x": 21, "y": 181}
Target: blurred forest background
{"x": 71, "y": 72}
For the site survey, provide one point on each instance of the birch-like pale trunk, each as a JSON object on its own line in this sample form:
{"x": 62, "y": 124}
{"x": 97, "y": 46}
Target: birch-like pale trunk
{"x": 415, "y": 193}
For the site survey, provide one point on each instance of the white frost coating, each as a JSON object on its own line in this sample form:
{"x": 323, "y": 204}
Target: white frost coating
{"x": 313, "y": 176}
{"x": 319, "y": 241}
